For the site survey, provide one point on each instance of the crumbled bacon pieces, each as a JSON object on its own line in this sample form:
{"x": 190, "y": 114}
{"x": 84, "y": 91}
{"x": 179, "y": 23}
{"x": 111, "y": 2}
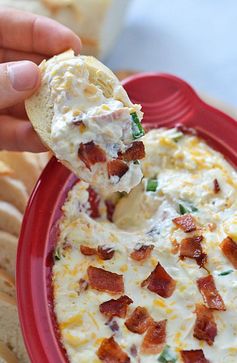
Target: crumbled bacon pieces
{"x": 94, "y": 202}
{"x": 102, "y": 280}
{"x": 135, "y": 152}
{"x": 105, "y": 252}
{"x": 186, "y": 223}
{"x": 117, "y": 168}
{"x": 191, "y": 248}
{"x": 155, "y": 338}
{"x": 205, "y": 327}
{"x": 116, "y": 307}
{"x": 142, "y": 252}
{"x": 193, "y": 356}
{"x": 160, "y": 282}
{"x": 139, "y": 321}
{"x": 110, "y": 206}
{"x": 216, "y": 186}
{"x": 229, "y": 249}
{"x": 88, "y": 251}
{"x": 110, "y": 352}
{"x": 90, "y": 154}
{"x": 211, "y": 296}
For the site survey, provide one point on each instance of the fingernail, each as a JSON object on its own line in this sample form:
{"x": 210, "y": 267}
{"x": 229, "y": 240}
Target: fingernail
{"x": 23, "y": 75}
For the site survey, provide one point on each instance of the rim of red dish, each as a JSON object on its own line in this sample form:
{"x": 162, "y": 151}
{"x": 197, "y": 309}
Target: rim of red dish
{"x": 167, "y": 101}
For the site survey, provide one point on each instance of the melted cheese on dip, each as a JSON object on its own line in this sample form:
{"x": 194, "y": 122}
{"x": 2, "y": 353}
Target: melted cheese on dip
{"x": 82, "y": 113}
{"x": 185, "y": 168}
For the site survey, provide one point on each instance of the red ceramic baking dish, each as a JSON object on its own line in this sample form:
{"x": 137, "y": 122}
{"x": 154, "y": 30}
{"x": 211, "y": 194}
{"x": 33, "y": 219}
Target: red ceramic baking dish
{"x": 167, "y": 101}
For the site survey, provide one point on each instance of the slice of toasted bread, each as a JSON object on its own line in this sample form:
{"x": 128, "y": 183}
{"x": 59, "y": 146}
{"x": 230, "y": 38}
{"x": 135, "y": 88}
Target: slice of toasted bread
{"x": 39, "y": 106}
{"x": 7, "y": 283}
{"x": 10, "y": 331}
{"x": 10, "y": 218}
{"x": 6, "y": 355}
{"x": 24, "y": 165}
{"x": 8, "y": 248}
{"x": 13, "y": 191}
{"x": 5, "y": 169}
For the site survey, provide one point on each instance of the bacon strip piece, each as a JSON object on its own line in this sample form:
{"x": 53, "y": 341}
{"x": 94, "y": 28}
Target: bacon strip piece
{"x": 117, "y": 168}
{"x": 105, "y": 253}
{"x": 135, "y": 152}
{"x": 205, "y": 327}
{"x": 102, "y": 280}
{"x": 141, "y": 253}
{"x": 229, "y": 249}
{"x": 117, "y": 307}
{"x": 186, "y": 223}
{"x": 160, "y": 282}
{"x": 139, "y": 321}
{"x": 193, "y": 356}
{"x": 211, "y": 296}
{"x": 155, "y": 338}
{"x": 191, "y": 248}
{"x": 110, "y": 352}
{"x": 90, "y": 154}
{"x": 216, "y": 186}
{"x": 88, "y": 251}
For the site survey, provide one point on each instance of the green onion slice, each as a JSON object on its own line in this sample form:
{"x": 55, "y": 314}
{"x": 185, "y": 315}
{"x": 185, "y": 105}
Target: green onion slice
{"x": 137, "y": 129}
{"x": 224, "y": 273}
{"x": 187, "y": 207}
{"x": 152, "y": 185}
{"x": 167, "y": 356}
{"x": 136, "y": 162}
{"x": 57, "y": 254}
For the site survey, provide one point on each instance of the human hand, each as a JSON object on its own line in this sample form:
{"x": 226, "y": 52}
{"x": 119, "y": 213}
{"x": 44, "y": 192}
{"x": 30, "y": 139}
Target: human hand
{"x": 25, "y": 40}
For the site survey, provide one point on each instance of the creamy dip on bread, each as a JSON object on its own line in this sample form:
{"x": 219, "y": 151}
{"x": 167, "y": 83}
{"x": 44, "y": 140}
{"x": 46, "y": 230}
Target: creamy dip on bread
{"x": 177, "y": 304}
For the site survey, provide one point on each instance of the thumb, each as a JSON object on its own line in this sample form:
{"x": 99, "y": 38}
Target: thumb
{"x": 18, "y": 81}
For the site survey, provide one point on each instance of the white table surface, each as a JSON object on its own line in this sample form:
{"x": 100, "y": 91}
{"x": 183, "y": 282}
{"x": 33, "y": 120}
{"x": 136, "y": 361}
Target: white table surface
{"x": 193, "y": 39}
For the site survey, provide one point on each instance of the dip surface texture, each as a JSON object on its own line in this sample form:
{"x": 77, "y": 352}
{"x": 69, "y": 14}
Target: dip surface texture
{"x": 167, "y": 250}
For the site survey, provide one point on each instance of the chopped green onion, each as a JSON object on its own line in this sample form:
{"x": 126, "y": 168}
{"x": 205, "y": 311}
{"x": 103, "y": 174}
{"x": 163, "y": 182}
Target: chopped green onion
{"x": 57, "y": 254}
{"x": 167, "y": 356}
{"x": 177, "y": 136}
{"x": 152, "y": 185}
{"x": 137, "y": 129}
{"x": 187, "y": 208}
{"x": 224, "y": 273}
{"x": 136, "y": 162}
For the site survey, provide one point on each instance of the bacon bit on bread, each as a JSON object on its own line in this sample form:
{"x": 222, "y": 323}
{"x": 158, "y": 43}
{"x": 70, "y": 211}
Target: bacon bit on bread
{"x": 205, "y": 327}
{"x": 90, "y": 154}
{"x": 211, "y": 296}
{"x": 186, "y": 223}
{"x": 139, "y": 321}
{"x": 134, "y": 152}
{"x": 191, "y": 248}
{"x": 216, "y": 186}
{"x": 117, "y": 168}
{"x": 110, "y": 352}
{"x": 160, "y": 282}
{"x": 142, "y": 252}
{"x": 117, "y": 307}
{"x": 229, "y": 249}
{"x": 102, "y": 280}
{"x": 193, "y": 356}
{"x": 155, "y": 338}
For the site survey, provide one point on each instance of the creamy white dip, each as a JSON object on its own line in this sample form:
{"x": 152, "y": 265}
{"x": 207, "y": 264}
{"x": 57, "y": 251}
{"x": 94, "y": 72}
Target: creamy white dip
{"x": 185, "y": 168}
{"x": 84, "y": 114}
